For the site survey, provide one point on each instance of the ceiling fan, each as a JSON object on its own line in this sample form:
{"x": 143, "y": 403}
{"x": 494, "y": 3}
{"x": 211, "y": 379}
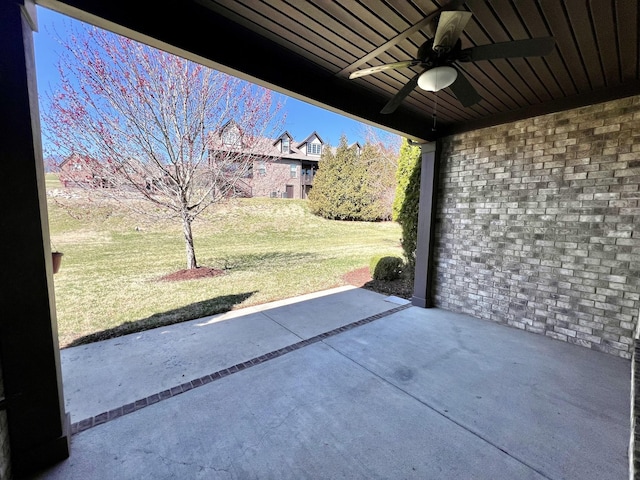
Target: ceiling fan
{"x": 438, "y": 55}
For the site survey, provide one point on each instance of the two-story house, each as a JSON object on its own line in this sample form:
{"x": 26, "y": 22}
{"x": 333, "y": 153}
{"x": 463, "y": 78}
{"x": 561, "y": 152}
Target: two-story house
{"x": 278, "y": 168}
{"x": 82, "y": 170}
{"x": 290, "y": 171}
{"x": 281, "y": 167}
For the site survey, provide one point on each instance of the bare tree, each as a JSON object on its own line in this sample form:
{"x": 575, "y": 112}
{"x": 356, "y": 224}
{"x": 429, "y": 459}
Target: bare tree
{"x": 386, "y": 147}
{"x": 154, "y": 126}
{"x": 387, "y": 143}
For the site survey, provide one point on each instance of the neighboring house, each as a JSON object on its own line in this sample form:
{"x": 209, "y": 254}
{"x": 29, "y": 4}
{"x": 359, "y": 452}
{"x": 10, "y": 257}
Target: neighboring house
{"x": 81, "y": 170}
{"x": 277, "y": 168}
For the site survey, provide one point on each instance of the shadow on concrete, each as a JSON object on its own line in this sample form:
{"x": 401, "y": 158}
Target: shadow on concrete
{"x": 205, "y": 308}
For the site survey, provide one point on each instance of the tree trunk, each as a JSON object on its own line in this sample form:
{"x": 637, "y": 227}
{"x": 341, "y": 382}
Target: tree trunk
{"x": 188, "y": 240}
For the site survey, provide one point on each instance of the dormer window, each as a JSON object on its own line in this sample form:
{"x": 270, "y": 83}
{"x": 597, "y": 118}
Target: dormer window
{"x": 314, "y": 149}
{"x": 231, "y": 136}
{"x": 286, "y": 145}
{"x": 313, "y": 145}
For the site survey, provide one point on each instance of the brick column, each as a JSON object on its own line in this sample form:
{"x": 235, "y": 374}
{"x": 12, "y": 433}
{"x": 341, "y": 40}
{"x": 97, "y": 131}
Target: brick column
{"x": 29, "y": 355}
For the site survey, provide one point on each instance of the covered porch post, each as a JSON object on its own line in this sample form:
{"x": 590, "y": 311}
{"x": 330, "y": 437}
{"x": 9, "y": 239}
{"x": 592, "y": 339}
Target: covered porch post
{"x": 422, "y": 284}
{"x": 38, "y": 426}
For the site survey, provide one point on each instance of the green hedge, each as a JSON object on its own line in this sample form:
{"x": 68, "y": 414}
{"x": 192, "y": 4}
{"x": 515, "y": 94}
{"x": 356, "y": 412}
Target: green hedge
{"x": 405, "y": 206}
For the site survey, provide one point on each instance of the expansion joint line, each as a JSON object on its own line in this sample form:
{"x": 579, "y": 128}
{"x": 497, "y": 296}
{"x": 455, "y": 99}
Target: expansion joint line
{"x": 105, "y": 417}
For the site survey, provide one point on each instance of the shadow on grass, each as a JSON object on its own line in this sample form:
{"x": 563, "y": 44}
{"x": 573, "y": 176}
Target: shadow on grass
{"x": 193, "y": 311}
{"x": 260, "y": 261}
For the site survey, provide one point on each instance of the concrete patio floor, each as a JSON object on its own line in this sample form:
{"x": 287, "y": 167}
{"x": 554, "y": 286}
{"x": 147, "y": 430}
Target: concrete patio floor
{"x": 296, "y": 390}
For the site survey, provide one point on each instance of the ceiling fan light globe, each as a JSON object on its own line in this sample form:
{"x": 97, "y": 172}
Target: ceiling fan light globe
{"x": 437, "y": 78}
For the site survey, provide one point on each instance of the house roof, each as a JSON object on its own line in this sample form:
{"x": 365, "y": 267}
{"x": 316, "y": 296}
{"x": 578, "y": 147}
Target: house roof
{"x": 308, "y": 49}
{"x": 228, "y": 123}
{"x": 310, "y": 139}
{"x": 77, "y": 157}
{"x": 285, "y": 134}
{"x": 267, "y": 147}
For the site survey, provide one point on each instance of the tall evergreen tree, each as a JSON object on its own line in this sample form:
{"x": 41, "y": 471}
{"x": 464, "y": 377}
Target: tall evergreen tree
{"x": 405, "y": 205}
{"x": 348, "y": 185}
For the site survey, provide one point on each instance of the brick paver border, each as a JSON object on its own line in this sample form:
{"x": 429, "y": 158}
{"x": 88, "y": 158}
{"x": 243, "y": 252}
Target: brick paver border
{"x": 105, "y": 417}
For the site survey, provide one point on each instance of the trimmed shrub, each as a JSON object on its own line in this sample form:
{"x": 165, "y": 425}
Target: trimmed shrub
{"x": 386, "y": 268}
{"x": 373, "y": 263}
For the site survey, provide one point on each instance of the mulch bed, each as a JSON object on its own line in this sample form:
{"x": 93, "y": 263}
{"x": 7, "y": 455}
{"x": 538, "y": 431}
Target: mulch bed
{"x": 361, "y": 277}
{"x": 358, "y": 277}
{"x": 192, "y": 274}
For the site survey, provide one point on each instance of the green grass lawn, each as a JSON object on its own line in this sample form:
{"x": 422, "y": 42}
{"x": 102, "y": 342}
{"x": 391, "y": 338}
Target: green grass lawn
{"x": 270, "y": 249}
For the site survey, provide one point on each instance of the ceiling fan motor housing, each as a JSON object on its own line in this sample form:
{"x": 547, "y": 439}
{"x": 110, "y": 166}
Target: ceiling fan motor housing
{"x": 431, "y": 58}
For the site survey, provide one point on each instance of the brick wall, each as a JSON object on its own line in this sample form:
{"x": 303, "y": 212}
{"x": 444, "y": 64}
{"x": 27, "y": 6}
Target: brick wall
{"x": 634, "y": 430}
{"x": 538, "y": 225}
{"x": 5, "y": 470}
{"x": 276, "y": 178}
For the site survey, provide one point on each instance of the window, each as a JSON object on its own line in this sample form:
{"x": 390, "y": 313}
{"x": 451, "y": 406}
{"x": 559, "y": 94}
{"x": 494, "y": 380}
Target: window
{"x": 285, "y": 145}
{"x": 231, "y": 136}
{"x": 293, "y": 168}
{"x": 262, "y": 168}
{"x": 230, "y": 168}
{"x": 314, "y": 149}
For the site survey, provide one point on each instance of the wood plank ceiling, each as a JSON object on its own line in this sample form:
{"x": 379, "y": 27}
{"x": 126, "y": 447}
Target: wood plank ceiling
{"x": 308, "y": 48}
{"x": 596, "y": 50}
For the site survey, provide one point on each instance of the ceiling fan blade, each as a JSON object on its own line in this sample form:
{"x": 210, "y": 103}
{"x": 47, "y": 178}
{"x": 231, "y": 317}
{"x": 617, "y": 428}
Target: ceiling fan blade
{"x": 450, "y": 27}
{"x": 381, "y": 68}
{"x": 464, "y": 91}
{"x": 534, "y": 47}
{"x": 392, "y": 104}
{"x": 425, "y": 24}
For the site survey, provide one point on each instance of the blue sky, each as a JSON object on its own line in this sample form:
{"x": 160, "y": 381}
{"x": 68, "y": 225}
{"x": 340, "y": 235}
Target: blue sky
{"x": 302, "y": 118}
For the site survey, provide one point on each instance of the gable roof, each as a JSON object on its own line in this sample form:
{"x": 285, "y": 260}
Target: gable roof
{"x": 74, "y": 157}
{"x": 267, "y": 147}
{"x": 310, "y": 139}
{"x": 284, "y": 134}
{"x": 227, "y": 124}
